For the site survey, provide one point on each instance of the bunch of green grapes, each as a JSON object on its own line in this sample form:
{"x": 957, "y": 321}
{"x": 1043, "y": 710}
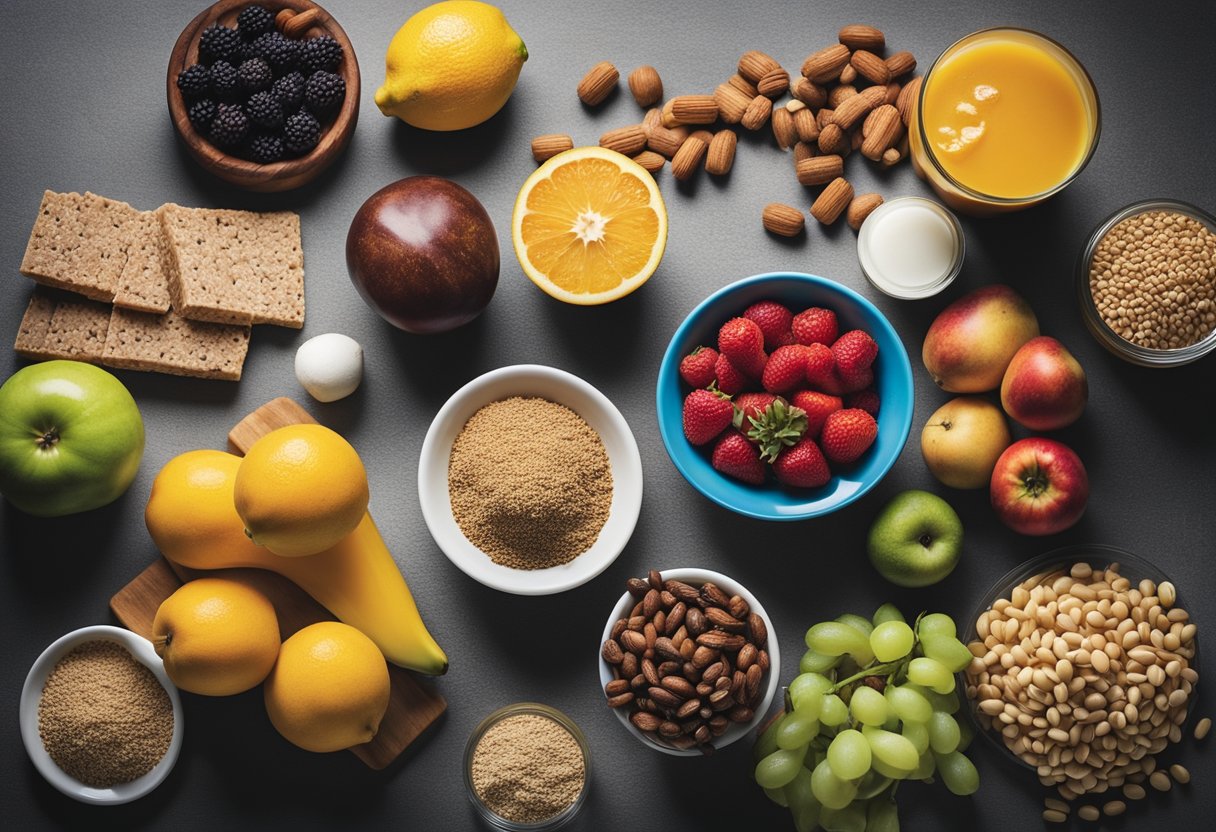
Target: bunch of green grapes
{"x": 873, "y": 705}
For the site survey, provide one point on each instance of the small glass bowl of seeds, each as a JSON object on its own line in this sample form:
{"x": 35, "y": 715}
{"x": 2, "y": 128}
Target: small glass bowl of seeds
{"x": 1147, "y": 283}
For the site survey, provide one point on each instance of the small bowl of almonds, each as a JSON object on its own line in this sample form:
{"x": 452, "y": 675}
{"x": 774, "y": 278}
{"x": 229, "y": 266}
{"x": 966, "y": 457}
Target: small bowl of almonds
{"x": 688, "y": 661}
{"x": 1086, "y": 662}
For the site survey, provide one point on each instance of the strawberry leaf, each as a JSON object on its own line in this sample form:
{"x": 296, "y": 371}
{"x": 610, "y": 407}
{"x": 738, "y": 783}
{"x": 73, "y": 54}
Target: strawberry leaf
{"x": 779, "y": 426}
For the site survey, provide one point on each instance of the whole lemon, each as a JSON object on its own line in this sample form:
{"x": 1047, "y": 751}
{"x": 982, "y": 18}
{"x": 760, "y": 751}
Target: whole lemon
{"x": 300, "y": 489}
{"x": 217, "y": 637}
{"x": 451, "y": 66}
{"x": 329, "y": 689}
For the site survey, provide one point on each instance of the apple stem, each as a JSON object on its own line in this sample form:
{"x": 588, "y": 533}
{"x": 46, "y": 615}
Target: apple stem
{"x": 1035, "y": 482}
{"x": 48, "y": 439}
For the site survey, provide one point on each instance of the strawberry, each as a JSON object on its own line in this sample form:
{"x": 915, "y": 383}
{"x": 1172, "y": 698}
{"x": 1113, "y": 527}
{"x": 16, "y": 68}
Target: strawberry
{"x": 802, "y": 465}
{"x": 866, "y": 399}
{"x": 706, "y": 414}
{"x": 854, "y": 351}
{"x": 773, "y": 319}
{"x": 786, "y": 339}
{"x": 847, "y": 434}
{"x": 820, "y": 363}
{"x": 750, "y": 406}
{"x": 855, "y": 381}
{"x": 731, "y": 380}
{"x": 697, "y": 368}
{"x": 778, "y": 427}
{"x": 741, "y": 341}
{"x": 815, "y": 326}
{"x": 736, "y": 457}
{"x": 818, "y": 407}
{"x": 786, "y": 369}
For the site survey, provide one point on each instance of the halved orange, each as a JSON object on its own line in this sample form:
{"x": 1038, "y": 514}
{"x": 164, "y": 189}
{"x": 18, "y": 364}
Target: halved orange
{"x": 589, "y": 226}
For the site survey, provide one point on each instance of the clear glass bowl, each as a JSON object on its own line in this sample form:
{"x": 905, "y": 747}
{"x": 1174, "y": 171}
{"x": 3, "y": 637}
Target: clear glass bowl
{"x": 535, "y": 709}
{"x": 1107, "y": 337}
{"x": 1097, "y": 555}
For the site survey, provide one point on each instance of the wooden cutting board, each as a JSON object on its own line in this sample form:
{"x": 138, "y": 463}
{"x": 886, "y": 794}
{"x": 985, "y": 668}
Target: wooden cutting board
{"x": 413, "y": 704}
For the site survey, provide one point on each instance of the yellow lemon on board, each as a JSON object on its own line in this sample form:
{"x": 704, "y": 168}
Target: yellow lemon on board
{"x": 329, "y": 689}
{"x": 451, "y": 66}
{"x": 217, "y": 637}
{"x": 589, "y": 226}
{"x": 300, "y": 489}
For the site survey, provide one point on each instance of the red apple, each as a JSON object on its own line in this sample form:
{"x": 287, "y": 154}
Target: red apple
{"x": 1039, "y": 486}
{"x": 1044, "y": 387}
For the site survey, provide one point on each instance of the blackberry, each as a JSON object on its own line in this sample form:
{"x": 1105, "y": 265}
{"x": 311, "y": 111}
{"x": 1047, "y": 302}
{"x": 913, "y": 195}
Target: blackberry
{"x": 229, "y": 126}
{"x": 324, "y": 92}
{"x": 265, "y": 148}
{"x": 225, "y": 80}
{"x": 301, "y": 132}
{"x": 278, "y": 51}
{"x": 201, "y": 114}
{"x": 265, "y": 110}
{"x": 290, "y": 90}
{"x": 320, "y": 53}
{"x": 219, "y": 43}
{"x": 194, "y": 81}
{"x": 254, "y": 21}
{"x": 255, "y": 75}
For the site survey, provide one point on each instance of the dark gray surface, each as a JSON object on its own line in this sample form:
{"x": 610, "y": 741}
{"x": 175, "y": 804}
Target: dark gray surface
{"x": 82, "y": 107}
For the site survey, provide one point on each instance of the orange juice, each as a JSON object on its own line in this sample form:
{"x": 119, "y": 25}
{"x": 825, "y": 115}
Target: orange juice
{"x": 1005, "y": 118}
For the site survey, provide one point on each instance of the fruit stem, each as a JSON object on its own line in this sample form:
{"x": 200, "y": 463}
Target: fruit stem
{"x": 884, "y": 669}
{"x": 1034, "y": 481}
{"x": 48, "y": 439}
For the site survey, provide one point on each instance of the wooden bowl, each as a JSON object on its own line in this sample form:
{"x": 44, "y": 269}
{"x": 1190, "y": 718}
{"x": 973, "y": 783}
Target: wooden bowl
{"x": 295, "y": 18}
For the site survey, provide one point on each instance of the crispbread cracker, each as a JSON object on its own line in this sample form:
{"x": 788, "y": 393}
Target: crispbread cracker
{"x": 78, "y": 243}
{"x": 143, "y": 284}
{"x": 35, "y": 324}
{"x": 172, "y": 344}
{"x": 76, "y": 327}
{"x": 235, "y": 267}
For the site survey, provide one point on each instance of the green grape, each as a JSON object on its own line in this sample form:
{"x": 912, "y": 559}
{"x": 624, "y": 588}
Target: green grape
{"x": 887, "y": 771}
{"x": 958, "y": 773}
{"x": 813, "y": 662}
{"x": 931, "y": 673}
{"x": 806, "y": 691}
{"x": 916, "y": 733}
{"x": 799, "y": 796}
{"x": 766, "y": 743}
{"x": 830, "y": 790}
{"x": 937, "y": 623}
{"x": 892, "y": 640}
{"x": 851, "y": 818}
{"x": 882, "y": 815}
{"x": 834, "y": 711}
{"x": 944, "y": 734}
{"x": 849, "y": 755}
{"x": 806, "y": 819}
{"x": 832, "y": 638}
{"x": 857, "y": 622}
{"x": 948, "y": 650}
{"x": 887, "y": 612}
{"x": 908, "y": 704}
{"x": 947, "y": 703}
{"x": 779, "y": 768}
{"x": 868, "y": 706}
{"x": 965, "y": 734}
{"x": 778, "y": 797}
{"x": 896, "y": 751}
{"x": 797, "y": 729}
{"x": 926, "y": 767}
{"x": 872, "y": 784}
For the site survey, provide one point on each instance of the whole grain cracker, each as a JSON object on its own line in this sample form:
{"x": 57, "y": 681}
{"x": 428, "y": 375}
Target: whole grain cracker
{"x": 175, "y": 345}
{"x": 76, "y": 328}
{"x": 78, "y": 243}
{"x": 143, "y": 284}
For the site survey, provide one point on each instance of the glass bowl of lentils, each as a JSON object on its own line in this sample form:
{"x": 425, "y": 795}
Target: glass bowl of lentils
{"x": 527, "y": 767}
{"x": 1147, "y": 283}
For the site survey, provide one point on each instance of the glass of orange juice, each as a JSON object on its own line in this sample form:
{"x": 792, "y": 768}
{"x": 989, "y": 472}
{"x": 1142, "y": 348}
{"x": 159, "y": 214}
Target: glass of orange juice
{"x": 1005, "y": 118}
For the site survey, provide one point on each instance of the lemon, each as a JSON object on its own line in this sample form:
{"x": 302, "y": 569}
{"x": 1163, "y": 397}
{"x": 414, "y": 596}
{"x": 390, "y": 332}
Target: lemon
{"x": 300, "y": 489}
{"x": 451, "y": 66}
{"x": 217, "y": 637}
{"x": 589, "y": 226}
{"x": 329, "y": 689}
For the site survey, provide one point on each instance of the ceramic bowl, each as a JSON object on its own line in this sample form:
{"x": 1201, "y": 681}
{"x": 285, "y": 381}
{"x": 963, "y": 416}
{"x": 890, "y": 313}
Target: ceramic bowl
{"x": 603, "y": 417}
{"x": 31, "y": 693}
{"x": 772, "y": 501}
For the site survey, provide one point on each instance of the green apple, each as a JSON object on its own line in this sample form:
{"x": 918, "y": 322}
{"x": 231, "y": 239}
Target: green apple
{"x": 916, "y": 539}
{"x": 71, "y": 438}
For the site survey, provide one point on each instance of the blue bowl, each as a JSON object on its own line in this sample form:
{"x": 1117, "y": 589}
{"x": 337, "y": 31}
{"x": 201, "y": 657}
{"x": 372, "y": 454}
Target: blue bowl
{"x": 773, "y": 501}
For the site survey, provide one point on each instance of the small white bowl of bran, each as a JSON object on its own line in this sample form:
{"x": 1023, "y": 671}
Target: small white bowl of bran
{"x": 530, "y": 480}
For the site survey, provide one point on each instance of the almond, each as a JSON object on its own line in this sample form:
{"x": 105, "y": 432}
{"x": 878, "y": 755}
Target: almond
{"x": 675, "y": 618}
{"x": 757, "y": 113}
{"x": 738, "y": 607}
{"x": 694, "y": 109}
{"x": 891, "y": 156}
{"x": 630, "y": 140}
{"x": 833, "y": 140}
{"x": 747, "y": 656}
{"x": 598, "y": 83}
{"x": 723, "y": 619}
{"x": 666, "y": 141}
{"x": 855, "y": 108}
{"x": 783, "y": 128}
{"x": 664, "y": 697}
{"x": 679, "y": 686}
{"x": 712, "y": 594}
{"x": 549, "y": 145}
{"x": 611, "y": 652}
{"x": 634, "y": 642}
{"x": 651, "y": 603}
{"x": 826, "y": 64}
{"x": 740, "y": 714}
{"x": 720, "y": 640}
{"x": 860, "y": 208}
{"x": 743, "y": 85}
{"x": 804, "y": 150}
{"x": 893, "y": 90}
{"x": 839, "y": 94}
{"x": 794, "y": 105}
{"x": 824, "y": 117}
{"x": 848, "y": 75}
{"x": 703, "y": 657}
{"x": 652, "y": 119}
{"x": 644, "y": 721}
{"x": 862, "y": 36}
{"x": 646, "y": 85}
{"x": 702, "y": 134}
{"x": 695, "y": 620}
{"x": 883, "y": 133}
{"x": 805, "y": 125}
{"x": 832, "y": 201}
{"x": 907, "y": 100}
{"x": 621, "y": 700}
{"x": 871, "y": 67}
{"x": 774, "y": 84}
{"x": 755, "y": 65}
{"x": 901, "y": 63}
{"x": 721, "y": 153}
{"x": 820, "y": 169}
{"x": 664, "y": 648}
{"x": 653, "y": 163}
{"x": 751, "y": 684}
{"x": 684, "y": 164}
{"x": 809, "y": 93}
{"x": 732, "y": 103}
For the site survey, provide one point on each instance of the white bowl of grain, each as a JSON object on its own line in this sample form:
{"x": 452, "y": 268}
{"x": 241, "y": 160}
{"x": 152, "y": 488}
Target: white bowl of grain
{"x": 547, "y": 384}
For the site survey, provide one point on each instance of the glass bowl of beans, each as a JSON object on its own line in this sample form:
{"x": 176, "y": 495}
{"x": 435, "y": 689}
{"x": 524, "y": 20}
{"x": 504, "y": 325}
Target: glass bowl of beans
{"x": 1076, "y": 646}
{"x": 1147, "y": 283}
{"x": 527, "y": 768}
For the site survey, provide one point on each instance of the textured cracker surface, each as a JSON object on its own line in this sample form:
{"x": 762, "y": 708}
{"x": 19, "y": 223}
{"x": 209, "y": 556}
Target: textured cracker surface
{"x": 35, "y": 324}
{"x": 172, "y": 344}
{"x": 76, "y": 327}
{"x": 78, "y": 243}
{"x": 143, "y": 284}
